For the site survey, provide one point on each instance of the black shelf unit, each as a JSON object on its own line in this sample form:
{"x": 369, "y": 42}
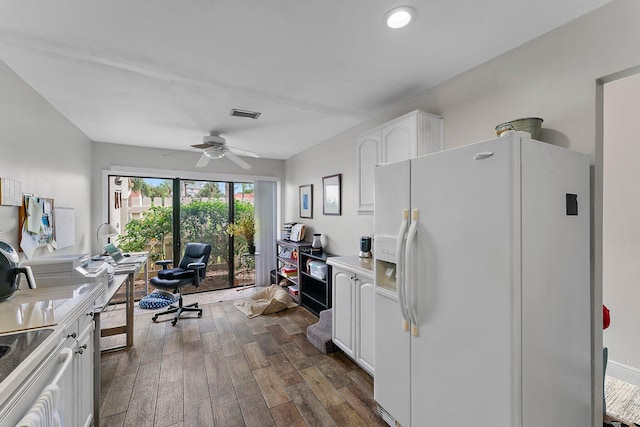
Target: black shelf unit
{"x": 284, "y": 252}
{"x": 315, "y": 293}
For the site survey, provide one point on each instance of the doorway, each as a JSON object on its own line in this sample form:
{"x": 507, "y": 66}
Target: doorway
{"x": 621, "y": 224}
{"x": 617, "y": 238}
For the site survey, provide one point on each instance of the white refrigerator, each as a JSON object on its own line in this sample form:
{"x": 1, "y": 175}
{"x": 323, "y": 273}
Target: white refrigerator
{"x": 483, "y": 296}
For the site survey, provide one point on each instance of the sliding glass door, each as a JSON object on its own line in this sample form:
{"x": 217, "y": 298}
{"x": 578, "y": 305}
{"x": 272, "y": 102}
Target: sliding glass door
{"x": 204, "y": 216}
{"x": 148, "y": 212}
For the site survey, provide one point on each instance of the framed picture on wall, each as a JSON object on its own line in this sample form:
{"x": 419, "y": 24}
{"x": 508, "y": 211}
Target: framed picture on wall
{"x": 331, "y": 195}
{"x": 306, "y": 201}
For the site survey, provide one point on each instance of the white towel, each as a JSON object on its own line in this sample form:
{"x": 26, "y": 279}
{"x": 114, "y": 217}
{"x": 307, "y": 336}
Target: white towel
{"x": 44, "y": 413}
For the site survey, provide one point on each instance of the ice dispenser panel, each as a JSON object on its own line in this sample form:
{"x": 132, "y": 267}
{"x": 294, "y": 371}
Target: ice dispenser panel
{"x": 385, "y": 259}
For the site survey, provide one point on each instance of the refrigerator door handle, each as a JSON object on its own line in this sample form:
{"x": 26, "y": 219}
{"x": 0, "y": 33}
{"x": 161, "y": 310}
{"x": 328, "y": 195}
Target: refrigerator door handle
{"x": 410, "y": 258}
{"x": 400, "y": 274}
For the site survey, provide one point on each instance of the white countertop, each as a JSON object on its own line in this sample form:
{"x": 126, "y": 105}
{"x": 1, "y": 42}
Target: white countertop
{"x": 353, "y": 263}
{"x": 42, "y": 307}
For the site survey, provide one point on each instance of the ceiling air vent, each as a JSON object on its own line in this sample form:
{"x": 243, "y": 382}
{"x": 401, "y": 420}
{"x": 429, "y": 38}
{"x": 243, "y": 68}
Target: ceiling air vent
{"x": 244, "y": 113}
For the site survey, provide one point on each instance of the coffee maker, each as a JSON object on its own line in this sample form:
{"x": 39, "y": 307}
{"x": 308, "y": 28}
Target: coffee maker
{"x": 365, "y": 247}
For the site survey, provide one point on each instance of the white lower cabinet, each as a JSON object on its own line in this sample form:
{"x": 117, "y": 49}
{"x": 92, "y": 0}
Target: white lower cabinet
{"x": 353, "y": 313}
{"x": 79, "y": 338}
{"x": 343, "y": 312}
{"x": 365, "y": 321}
{"x": 83, "y": 364}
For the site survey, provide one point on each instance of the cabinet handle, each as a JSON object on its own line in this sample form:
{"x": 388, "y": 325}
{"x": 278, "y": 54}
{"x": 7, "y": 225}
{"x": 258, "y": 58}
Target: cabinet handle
{"x": 73, "y": 335}
{"x": 90, "y": 314}
{"x": 81, "y": 349}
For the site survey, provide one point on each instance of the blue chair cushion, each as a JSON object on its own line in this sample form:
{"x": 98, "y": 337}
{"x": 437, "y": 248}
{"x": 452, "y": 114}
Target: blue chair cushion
{"x": 156, "y": 300}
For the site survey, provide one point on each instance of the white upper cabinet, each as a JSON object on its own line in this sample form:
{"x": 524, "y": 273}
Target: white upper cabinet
{"x": 369, "y": 151}
{"x": 415, "y": 134}
{"x": 399, "y": 139}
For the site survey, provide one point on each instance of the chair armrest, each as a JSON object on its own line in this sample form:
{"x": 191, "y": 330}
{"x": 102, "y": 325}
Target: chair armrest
{"x": 196, "y": 265}
{"x": 164, "y": 263}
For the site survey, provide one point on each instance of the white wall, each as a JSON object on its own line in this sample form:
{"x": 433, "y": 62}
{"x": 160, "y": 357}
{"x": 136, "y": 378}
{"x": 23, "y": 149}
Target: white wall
{"x": 43, "y": 150}
{"x": 168, "y": 164}
{"x": 340, "y": 234}
{"x": 621, "y": 220}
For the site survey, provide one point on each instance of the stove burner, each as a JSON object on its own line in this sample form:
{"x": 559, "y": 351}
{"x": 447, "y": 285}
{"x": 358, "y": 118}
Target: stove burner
{"x": 15, "y": 348}
{"x": 4, "y": 349}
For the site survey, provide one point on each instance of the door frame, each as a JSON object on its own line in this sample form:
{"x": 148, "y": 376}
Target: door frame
{"x": 597, "y": 252}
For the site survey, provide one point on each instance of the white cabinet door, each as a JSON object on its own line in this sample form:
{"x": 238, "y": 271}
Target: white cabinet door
{"x": 365, "y": 323}
{"x": 343, "y": 313}
{"x": 399, "y": 140}
{"x": 84, "y": 370}
{"x": 368, "y": 156}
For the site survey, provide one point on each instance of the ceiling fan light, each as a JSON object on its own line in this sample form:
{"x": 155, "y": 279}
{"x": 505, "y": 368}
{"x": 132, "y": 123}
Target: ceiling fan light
{"x": 399, "y": 17}
{"x": 214, "y": 152}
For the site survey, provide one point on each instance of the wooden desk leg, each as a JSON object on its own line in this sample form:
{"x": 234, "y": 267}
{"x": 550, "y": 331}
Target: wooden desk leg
{"x": 127, "y": 328}
{"x": 130, "y": 301}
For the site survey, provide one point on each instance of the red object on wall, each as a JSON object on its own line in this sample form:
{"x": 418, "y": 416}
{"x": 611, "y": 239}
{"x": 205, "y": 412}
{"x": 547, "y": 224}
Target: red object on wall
{"x": 606, "y": 319}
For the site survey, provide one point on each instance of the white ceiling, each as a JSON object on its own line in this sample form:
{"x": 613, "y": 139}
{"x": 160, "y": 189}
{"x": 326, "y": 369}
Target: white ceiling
{"x": 162, "y": 73}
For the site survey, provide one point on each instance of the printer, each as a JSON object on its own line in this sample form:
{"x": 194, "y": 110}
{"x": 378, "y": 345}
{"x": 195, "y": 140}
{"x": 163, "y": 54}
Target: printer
{"x": 71, "y": 269}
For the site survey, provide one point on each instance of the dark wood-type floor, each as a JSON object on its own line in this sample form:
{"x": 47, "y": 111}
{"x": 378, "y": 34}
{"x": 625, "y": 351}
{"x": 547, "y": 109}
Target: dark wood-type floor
{"x": 226, "y": 370}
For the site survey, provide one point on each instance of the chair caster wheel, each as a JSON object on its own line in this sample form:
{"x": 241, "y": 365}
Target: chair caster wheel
{"x": 199, "y": 314}
{"x": 173, "y": 322}
{"x": 154, "y": 318}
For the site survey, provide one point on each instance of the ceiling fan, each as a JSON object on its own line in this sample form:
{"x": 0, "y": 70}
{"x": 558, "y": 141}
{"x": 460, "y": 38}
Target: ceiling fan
{"x": 215, "y": 147}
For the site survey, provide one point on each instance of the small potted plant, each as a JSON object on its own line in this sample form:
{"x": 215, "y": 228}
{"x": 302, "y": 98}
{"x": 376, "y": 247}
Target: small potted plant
{"x": 244, "y": 226}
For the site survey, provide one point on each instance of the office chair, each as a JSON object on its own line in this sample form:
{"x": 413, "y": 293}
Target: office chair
{"x": 192, "y": 269}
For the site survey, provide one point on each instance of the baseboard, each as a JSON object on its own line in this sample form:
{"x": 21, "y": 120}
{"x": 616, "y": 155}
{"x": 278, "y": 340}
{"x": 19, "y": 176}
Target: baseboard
{"x": 623, "y": 372}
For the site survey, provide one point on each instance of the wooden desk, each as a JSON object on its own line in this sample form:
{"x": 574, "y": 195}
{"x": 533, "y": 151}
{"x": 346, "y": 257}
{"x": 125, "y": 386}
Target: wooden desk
{"x": 125, "y": 273}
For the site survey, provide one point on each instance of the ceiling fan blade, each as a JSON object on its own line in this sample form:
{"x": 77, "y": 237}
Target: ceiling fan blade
{"x": 202, "y": 146}
{"x": 241, "y": 152}
{"x": 237, "y": 160}
{"x": 204, "y": 160}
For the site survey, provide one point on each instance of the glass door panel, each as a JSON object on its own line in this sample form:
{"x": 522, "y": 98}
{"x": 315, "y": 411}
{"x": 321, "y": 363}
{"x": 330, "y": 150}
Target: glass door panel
{"x": 243, "y": 242}
{"x": 141, "y": 210}
{"x": 204, "y": 215}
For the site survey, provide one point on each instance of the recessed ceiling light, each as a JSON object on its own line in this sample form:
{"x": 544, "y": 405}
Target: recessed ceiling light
{"x": 399, "y": 17}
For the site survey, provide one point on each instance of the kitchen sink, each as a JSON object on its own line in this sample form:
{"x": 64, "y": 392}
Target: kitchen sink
{"x": 15, "y": 348}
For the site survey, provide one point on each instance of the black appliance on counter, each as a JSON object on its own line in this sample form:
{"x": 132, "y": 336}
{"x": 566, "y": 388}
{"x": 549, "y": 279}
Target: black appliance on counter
{"x": 10, "y": 271}
{"x": 365, "y": 247}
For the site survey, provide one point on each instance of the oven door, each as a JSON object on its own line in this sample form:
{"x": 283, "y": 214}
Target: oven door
{"x": 49, "y": 387}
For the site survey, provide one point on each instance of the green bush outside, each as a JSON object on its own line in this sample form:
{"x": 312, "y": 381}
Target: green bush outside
{"x": 201, "y": 221}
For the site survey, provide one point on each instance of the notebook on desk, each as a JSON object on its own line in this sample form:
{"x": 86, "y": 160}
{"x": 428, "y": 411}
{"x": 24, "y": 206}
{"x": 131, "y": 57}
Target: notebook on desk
{"x": 119, "y": 258}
